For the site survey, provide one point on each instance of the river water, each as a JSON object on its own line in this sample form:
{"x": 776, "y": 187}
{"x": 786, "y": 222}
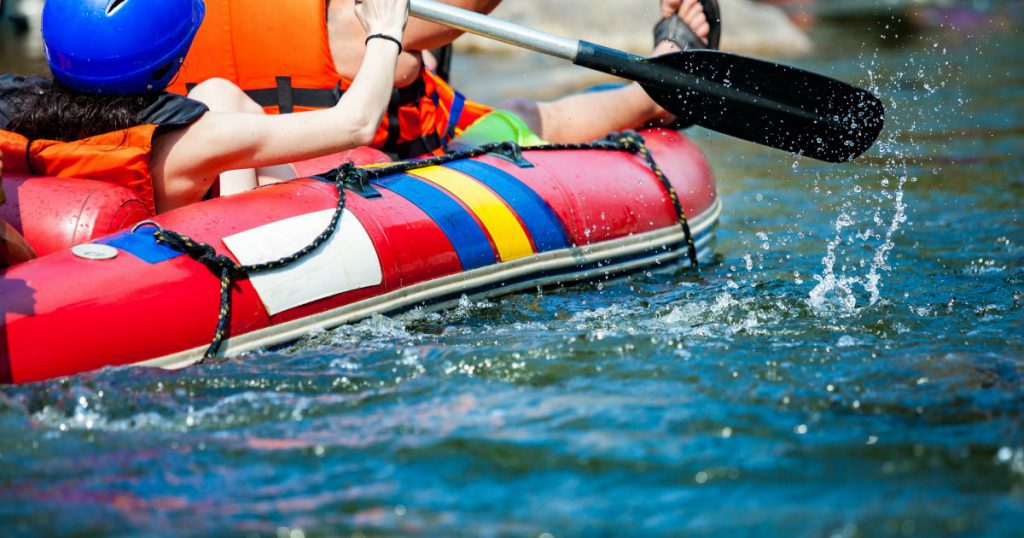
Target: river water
{"x": 851, "y": 365}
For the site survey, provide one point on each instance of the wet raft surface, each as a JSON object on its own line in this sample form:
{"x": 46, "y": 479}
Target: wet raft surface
{"x": 816, "y": 381}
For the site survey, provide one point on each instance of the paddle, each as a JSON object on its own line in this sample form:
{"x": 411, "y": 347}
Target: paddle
{"x": 776, "y": 105}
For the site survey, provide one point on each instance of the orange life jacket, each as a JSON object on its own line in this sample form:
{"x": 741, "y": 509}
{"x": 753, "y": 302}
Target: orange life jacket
{"x": 119, "y": 157}
{"x": 279, "y": 53}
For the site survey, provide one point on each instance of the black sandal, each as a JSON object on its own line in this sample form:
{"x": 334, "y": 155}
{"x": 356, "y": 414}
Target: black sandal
{"x": 673, "y": 29}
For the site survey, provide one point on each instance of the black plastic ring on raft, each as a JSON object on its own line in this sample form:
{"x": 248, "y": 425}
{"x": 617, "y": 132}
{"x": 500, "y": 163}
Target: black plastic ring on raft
{"x": 146, "y": 223}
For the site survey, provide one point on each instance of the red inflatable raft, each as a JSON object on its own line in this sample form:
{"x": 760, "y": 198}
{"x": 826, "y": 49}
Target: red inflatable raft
{"x": 477, "y": 227}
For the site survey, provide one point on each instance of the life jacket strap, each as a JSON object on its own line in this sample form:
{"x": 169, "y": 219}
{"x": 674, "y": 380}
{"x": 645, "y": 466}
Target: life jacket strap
{"x": 394, "y": 123}
{"x": 286, "y": 98}
{"x": 458, "y": 103}
{"x": 424, "y": 145}
{"x": 284, "y": 95}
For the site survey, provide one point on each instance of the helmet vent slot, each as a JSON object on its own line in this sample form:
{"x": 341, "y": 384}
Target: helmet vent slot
{"x": 114, "y": 5}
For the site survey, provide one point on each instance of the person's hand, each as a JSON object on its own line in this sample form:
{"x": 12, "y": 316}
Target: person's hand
{"x": 387, "y": 17}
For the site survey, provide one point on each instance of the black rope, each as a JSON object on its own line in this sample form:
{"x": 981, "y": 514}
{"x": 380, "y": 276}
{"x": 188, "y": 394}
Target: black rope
{"x": 229, "y": 271}
{"x": 636, "y": 145}
{"x": 350, "y": 174}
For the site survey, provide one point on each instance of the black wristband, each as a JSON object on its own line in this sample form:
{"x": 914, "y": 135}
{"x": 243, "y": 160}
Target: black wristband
{"x": 385, "y": 36}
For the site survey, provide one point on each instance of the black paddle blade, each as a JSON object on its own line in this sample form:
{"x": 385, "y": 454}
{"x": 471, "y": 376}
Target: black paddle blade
{"x": 768, "y": 103}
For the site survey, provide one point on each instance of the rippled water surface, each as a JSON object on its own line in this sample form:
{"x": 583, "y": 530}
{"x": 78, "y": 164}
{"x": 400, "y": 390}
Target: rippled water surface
{"x": 851, "y": 366}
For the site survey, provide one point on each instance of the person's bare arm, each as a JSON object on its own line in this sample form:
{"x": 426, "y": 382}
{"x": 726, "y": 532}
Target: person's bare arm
{"x": 186, "y": 162}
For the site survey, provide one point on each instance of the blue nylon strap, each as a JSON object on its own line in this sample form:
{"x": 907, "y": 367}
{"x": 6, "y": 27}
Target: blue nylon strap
{"x": 540, "y": 220}
{"x": 142, "y": 245}
{"x": 464, "y": 232}
{"x": 458, "y": 103}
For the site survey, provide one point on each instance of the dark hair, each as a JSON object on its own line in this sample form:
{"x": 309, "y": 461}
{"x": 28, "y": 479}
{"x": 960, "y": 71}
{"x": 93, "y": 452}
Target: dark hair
{"x": 47, "y": 110}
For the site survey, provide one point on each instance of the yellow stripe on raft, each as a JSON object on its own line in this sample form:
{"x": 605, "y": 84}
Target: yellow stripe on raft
{"x": 504, "y": 228}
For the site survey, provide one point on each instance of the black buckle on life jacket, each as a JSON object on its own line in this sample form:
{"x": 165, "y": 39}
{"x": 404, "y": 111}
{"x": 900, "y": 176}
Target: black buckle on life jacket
{"x": 511, "y": 152}
{"x": 424, "y": 145}
{"x": 286, "y": 97}
{"x": 285, "y": 101}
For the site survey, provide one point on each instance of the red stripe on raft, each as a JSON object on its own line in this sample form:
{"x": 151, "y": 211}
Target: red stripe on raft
{"x": 614, "y": 195}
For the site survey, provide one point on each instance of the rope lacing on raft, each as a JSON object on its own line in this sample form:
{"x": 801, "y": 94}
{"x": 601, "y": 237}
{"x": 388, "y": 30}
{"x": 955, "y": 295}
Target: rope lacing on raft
{"x": 349, "y": 174}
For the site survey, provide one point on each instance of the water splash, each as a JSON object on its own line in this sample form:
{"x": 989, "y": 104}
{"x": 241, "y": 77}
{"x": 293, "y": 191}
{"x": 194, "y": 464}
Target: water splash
{"x": 858, "y": 284}
{"x": 842, "y": 293}
{"x": 834, "y": 293}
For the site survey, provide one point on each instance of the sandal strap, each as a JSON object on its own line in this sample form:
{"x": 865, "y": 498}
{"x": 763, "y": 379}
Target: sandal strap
{"x": 673, "y": 29}
{"x": 714, "y": 16}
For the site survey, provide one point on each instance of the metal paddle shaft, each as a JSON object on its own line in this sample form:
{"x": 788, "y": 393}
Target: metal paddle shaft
{"x": 763, "y": 102}
{"x": 497, "y": 29}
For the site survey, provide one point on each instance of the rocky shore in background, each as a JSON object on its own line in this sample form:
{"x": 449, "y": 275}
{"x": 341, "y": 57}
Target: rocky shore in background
{"x": 748, "y": 28}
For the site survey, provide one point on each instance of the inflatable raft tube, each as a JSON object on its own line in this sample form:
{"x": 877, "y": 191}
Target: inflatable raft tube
{"x": 479, "y": 227}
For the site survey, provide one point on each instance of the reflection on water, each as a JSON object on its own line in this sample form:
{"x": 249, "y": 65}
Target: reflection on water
{"x": 852, "y": 366}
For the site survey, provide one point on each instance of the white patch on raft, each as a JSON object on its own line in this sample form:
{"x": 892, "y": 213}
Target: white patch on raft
{"x": 347, "y": 261}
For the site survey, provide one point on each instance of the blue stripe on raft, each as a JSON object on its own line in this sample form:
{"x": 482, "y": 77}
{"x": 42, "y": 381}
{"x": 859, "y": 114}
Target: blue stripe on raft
{"x": 470, "y": 242}
{"x": 538, "y": 217}
{"x": 142, "y": 245}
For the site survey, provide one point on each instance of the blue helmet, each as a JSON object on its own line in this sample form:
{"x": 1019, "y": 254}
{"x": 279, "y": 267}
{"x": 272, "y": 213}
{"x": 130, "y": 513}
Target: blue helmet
{"x": 119, "y": 47}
